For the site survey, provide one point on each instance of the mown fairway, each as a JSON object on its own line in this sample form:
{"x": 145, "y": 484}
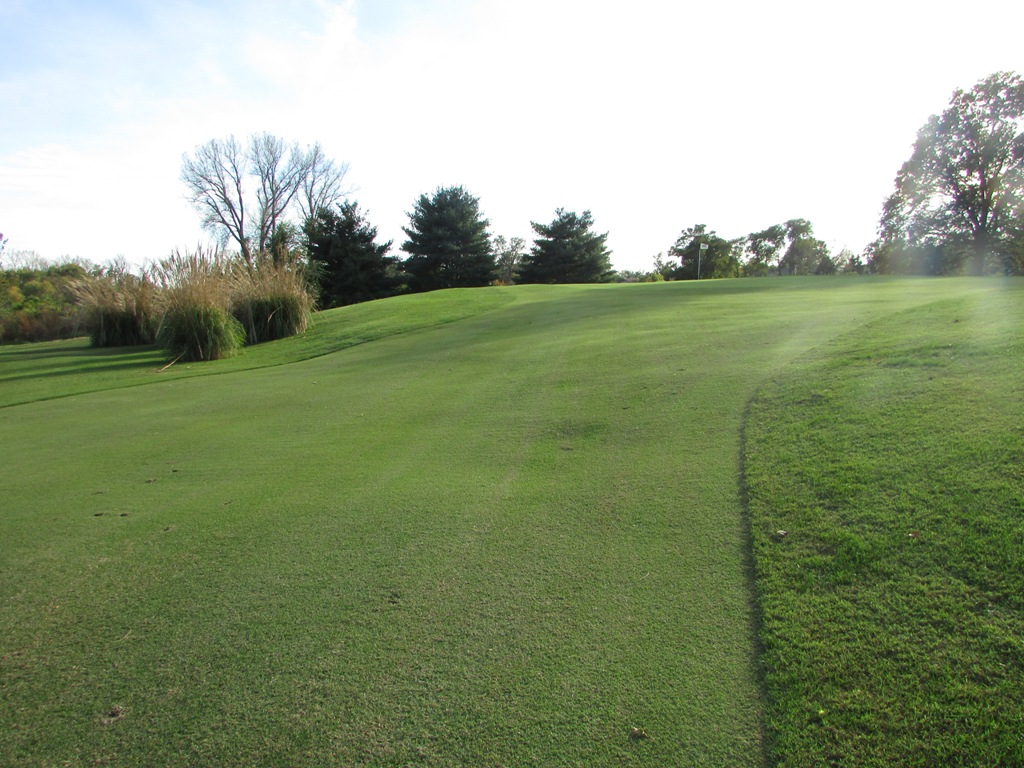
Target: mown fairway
{"x": 505, "y": 540}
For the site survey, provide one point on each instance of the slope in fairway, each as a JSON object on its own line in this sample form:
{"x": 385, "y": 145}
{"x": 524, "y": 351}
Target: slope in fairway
{"x": 504, "y": 541}
{"x": 30, "y": 372}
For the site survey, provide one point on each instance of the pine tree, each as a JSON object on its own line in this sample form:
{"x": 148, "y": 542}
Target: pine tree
{"x": 567, "y": 251}
{"x": 350, "y": 265}
{"x": 449, "y": 245}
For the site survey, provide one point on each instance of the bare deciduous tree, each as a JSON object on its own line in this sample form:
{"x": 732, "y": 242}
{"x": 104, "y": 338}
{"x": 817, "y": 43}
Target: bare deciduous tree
{"x": 280, "y": 172}
{"x": 22, "y": 259}
{"x": 215, "y": 178}
{"x": 222, "y": 175}
{"x": 323, "y": 185}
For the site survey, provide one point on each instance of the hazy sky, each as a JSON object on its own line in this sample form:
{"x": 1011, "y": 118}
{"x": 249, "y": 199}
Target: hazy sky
{"x": 655, "y": 115}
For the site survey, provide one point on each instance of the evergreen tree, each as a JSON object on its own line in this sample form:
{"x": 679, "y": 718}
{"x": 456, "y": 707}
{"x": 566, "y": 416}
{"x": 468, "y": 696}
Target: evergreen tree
{"x": 567, "y": 251}
{"x": 349, "y": 264}
{"x": 449, "y": 245}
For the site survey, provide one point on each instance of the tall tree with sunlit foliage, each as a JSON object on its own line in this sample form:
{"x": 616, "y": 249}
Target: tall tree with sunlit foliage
{"x": 961, "y": 193}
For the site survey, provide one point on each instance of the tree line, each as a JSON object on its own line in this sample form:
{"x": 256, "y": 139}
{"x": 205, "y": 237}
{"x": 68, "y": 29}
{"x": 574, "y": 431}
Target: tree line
{"x": 37, "y": 302}
{"x": 783, "y": 249}
{"x": 448, "y": 246}
{"x": 958, "y": 206}
{"x": 448, "y": 242}
{"x": 271, "y": 198}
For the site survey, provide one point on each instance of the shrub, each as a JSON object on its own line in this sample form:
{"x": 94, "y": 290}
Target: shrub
{"x": 120, "y": 309}
{"x": 196, "y": 293}
{"x": 271, "y": 300}
{"x": 196, "y": 332}
{"x": 38, "y": 324}
{"x": 37, "y": 302}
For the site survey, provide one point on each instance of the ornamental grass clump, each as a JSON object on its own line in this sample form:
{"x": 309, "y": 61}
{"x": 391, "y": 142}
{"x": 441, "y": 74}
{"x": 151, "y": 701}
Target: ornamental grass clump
{"x": 197, "y": 323}
{"x": 271, "y": 298}
{"x": 120, "y": 309}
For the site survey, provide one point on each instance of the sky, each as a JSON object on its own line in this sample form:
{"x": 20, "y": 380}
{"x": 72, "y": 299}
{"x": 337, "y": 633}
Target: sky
{"x": 654, "y": 115}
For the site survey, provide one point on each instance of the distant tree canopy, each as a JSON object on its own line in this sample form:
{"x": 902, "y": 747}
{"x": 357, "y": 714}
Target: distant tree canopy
{"x": 805, "y": 254}
{"x": 567, "y": 251}
{"x": 782, "y": 249}
{"x": 509, "y": 258}
{"x": 449, "y": 245}
{"x": 719, "y": 257}
{"x": 764, "y": 250}
{"x": 960, "y": 197}
{"x": 37, "y": 298}
{"x": 349, "y": 265}
{"x": 244, "y": 193}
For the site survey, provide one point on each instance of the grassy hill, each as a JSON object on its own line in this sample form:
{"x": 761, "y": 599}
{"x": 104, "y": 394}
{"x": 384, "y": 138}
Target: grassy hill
{"x": 489, "y": 527}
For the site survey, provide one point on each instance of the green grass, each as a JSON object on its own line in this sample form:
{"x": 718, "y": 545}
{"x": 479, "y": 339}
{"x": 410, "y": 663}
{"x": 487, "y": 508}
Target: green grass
{"x": 893, "y": 607}
{"x": 30, "y": 372}
{"x": 505, "y": 540}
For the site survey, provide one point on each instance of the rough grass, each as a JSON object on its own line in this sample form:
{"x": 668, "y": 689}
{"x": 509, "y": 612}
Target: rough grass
{"x": 508, "y": 540}
{"x": 893, "y": 611}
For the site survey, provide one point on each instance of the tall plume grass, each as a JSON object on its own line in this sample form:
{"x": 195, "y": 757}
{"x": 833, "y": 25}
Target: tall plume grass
{"x": 199, "y": 305}
{"x": 271, "y": 299}
{"x": 119, "y": 308}
{"x": 197, "y": 291}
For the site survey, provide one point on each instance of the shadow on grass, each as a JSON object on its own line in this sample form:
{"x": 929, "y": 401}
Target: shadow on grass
{"x": 140, "y": 365}
{"x": 78, "y": 368}
{"x": 755, "y": 609}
